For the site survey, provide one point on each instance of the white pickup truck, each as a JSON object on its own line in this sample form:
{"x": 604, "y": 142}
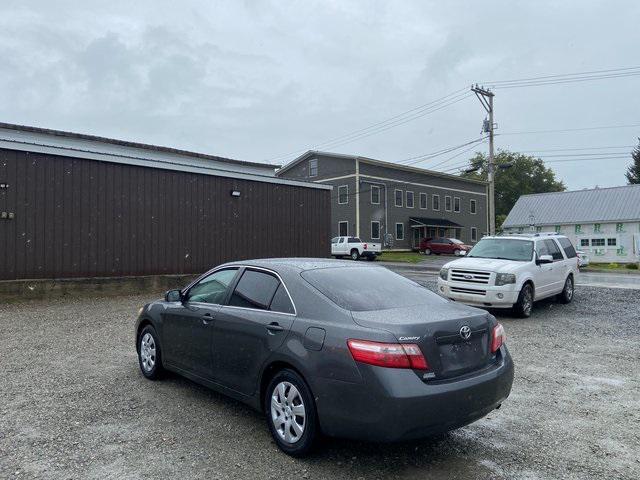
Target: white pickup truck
{"x": 354, "y": 248}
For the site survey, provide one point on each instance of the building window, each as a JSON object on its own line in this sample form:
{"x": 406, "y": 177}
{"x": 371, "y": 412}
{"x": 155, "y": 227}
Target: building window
{"x": 578, "y": 229}
{"x": 375, "y": 195}
{"x": 375, "y": 230}
{"x": 597, "y": 242}
{"x": 474, "y": 234}
{"x": 423, "y": 200}
{"x": 611, "y": 242}
{"x": 584, "y": 242}
{"x": 456, "y": 204}
{"x": 472, "y": 206}
{"x": 447, "y": 203}
{"x": 398, "y": 198}
{"x": 313, "y": 167}
{"x": 343, "y": 229}
{"x": 619, "y": 227}
{"x": 343, "y": 194}
{"x": 558, "y": 228}
{"x": 435, "y": 202}
{"x": 399, "y": 231}
{"x": 538, "y": 229}
{"x": 409, "y": 199}
{"x": 597, "y": 228}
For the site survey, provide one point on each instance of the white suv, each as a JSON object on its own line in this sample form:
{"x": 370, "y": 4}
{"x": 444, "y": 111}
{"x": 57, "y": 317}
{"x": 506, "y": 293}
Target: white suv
{"x": 512, "y": 271}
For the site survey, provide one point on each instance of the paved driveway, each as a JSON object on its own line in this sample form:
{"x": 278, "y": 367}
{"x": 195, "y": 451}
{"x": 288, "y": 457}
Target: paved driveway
{"x": 74, "y": 405}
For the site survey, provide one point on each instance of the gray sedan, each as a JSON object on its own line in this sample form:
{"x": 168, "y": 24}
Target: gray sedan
{"x": 331, "y": 347}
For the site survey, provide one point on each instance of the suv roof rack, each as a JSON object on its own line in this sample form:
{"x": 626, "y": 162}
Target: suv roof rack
{"x": 531, "y": 235}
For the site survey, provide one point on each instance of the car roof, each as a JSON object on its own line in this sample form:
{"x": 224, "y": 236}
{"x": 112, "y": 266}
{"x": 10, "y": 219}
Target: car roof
{"x": 300, "y": 264}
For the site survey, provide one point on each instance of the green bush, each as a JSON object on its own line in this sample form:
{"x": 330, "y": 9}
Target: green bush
{"x": 632, "y": 266}
{"x": 613, "y": 265}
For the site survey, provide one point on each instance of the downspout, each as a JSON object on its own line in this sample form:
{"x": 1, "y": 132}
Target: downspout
{"x": 357, "y": 197}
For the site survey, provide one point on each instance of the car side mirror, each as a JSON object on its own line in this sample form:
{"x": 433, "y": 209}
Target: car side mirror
{"x": 173, "y": 296}
{"x": 545, "y": 259}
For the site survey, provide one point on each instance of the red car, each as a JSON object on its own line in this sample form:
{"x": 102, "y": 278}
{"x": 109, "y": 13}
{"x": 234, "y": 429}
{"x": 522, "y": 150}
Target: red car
{"x": 448, "y": 246}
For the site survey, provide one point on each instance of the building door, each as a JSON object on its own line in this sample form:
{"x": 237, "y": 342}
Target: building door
{"x": 417, "y": 236}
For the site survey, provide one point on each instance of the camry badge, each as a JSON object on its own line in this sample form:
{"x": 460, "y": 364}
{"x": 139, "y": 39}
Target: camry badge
{"x": 465, "y": 332}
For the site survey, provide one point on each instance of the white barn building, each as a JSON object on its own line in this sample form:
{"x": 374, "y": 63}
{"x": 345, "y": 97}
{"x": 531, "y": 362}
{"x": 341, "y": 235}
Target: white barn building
{"x": 605, "y": 222}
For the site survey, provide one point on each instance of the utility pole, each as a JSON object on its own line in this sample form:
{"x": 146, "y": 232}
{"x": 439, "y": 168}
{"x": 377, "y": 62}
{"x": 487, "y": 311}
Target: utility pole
{"x": 486, "y": 99}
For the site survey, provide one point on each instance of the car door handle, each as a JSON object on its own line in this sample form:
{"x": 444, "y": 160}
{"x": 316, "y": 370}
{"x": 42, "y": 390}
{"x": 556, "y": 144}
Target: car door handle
{"x": 207, "y": 317}
{"x": 275, "y": 327}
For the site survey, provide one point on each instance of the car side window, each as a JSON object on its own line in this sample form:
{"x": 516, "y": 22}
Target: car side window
{"x": 569, "y": 250}
{"x": 541, "y": 249}
{"x": 212, "y": 288}
{"x": 554, "y": 251}
{"x": 255, "y": 289}
{"x": 281, "y": 301}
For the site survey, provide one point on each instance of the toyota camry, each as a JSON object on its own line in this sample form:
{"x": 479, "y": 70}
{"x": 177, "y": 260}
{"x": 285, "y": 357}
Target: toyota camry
{"x": 329, "y": 347}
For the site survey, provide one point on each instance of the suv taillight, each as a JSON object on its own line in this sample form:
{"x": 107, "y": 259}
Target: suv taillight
{"x": 390, "y": 355}
{"x": 365, "y": 246}
{"x": 498, "y": 338}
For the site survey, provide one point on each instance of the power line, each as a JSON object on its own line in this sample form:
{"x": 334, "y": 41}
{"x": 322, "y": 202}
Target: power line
{"x": 564, "y": 75}
{"x": 572, "y": 129}
{"x": 410, "y": 114}
{"x": 429, "y": 156}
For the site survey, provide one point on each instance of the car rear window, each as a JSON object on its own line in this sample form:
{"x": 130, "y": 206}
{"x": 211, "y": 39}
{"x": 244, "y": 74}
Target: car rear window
{"x": 568, "y": 248}
{"x": 368, "y": 288}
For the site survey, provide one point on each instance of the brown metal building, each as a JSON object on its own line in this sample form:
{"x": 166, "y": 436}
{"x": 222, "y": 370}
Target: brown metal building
{"x": 76, "y": 205}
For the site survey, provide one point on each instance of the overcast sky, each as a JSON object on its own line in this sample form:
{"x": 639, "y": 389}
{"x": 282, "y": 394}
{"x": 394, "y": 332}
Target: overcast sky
{"x": 255, "y": 80}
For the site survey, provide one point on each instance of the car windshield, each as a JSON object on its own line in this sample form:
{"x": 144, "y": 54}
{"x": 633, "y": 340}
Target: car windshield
{"x": 503, "y": 249}
{"x": 363, "y": 289}
{"x": 455, "y": 240}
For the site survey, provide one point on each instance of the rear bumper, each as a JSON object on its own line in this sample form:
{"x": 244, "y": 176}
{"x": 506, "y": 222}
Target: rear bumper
{"x": 369, "y": 253}
{"x": 479, "y": 295}
{"x": 396, "y": 405}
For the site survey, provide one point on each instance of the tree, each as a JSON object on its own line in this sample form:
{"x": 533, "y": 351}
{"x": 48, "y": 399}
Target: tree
{"x": 526, "y": 175}
{"x": 633, "y": 172}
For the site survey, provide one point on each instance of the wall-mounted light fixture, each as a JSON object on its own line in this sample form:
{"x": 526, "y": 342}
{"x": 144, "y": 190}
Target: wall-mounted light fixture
{"x": 235, "y": 193}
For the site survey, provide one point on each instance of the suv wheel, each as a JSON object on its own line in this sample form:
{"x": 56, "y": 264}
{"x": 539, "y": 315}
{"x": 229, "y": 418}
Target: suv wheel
{"x": 524, "y": 305}
{"x": 427, "y": 251}
{"x": 354, "y": 254}
{"x": 567, "y": 292}
{"x": 291, "y": 413}
{"x": 149, "y": 355}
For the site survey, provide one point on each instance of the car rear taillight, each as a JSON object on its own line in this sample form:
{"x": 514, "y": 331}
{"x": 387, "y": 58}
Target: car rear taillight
{"x": 498, "y": 337}
{"x": 365, "y": 246}
{"x": 391, "y": 355}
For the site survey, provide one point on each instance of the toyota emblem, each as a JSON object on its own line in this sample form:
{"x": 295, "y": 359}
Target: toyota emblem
{"x": 468, "y": 277}
{"x": 465, "y": 332}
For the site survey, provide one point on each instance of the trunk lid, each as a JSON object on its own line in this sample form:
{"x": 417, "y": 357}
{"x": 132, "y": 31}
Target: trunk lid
{"x": 437, "y": 330}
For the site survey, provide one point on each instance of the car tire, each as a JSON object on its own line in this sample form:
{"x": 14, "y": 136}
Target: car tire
{"x": 456, "y": 252}
{"x": 149, "y": 353}
{"x": 524, "y": 305}
{"x": 427, "y": 251}
{"x": 355, "y": 255}
{"x": 291, "y": 413}
{"x": 566, "y": 296}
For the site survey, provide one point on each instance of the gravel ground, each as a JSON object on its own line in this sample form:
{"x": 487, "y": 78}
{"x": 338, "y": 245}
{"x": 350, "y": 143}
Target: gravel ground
{"x": 74, "y": 405}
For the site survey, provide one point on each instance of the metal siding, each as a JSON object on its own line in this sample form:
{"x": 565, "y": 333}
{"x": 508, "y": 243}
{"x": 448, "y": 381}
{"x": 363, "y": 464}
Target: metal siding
{"x": 582, "y": 206}
{"x": 78, "y": 218}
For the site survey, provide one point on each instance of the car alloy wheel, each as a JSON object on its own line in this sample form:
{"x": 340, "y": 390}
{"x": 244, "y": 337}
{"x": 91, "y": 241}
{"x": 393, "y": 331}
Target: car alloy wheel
{"x": 355, "y": 255}
{"x": 288, "y": 412}
{"x": 147, "y": 352}
{"x": 427, "y": 251}
{"x": 456, "y": 252}
{"x": 567, "y": 292}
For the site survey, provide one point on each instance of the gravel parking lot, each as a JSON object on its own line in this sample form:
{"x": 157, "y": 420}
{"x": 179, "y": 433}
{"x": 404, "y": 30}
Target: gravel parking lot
{"x": 74, "y": 405}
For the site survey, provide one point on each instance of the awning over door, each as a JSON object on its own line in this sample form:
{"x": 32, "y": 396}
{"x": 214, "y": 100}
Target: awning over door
{"x": 417, "y": 222}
